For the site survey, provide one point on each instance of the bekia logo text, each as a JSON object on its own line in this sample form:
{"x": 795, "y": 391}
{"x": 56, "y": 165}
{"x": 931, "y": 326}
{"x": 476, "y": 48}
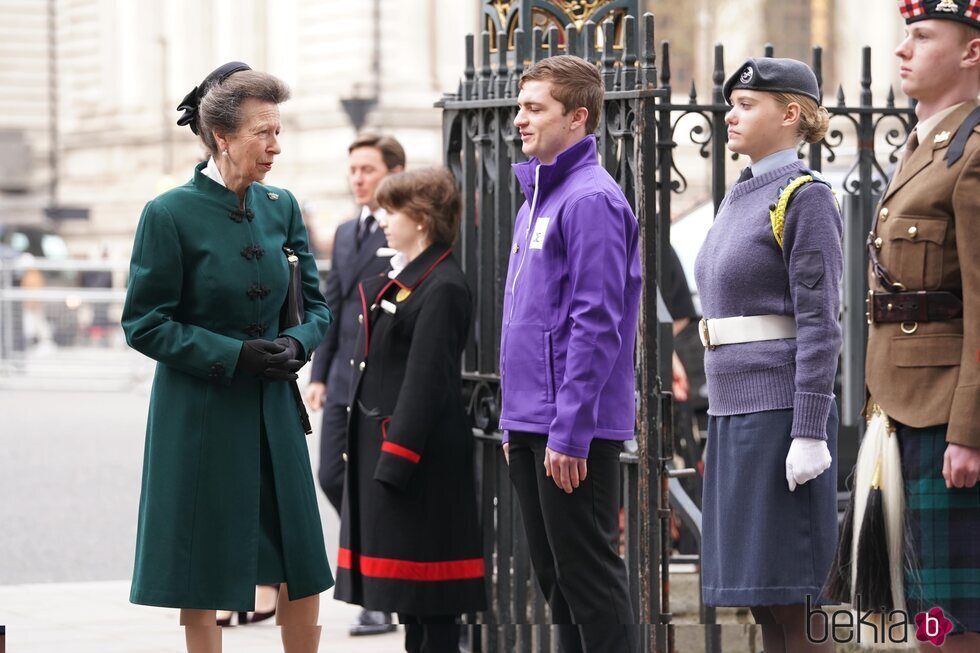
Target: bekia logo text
{"x": 868, "y": 626}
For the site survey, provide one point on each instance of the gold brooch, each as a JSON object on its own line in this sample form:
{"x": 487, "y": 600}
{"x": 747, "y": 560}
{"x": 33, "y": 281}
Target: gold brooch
{"x": 941, "y": 137}
{"x": 402, "y": 295}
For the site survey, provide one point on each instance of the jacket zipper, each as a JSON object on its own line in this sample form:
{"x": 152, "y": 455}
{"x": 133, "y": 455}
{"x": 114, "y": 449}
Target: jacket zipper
{"x": 527, "y": 235}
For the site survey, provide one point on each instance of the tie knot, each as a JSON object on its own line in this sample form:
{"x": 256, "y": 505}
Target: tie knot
{"x": 913, "y": 141}
{"x": 746, "y": 175}
{"x": 364, "y": 228}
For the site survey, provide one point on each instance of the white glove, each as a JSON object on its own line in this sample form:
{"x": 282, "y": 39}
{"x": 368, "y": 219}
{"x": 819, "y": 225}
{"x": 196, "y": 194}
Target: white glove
{"x": 807, "y": 459}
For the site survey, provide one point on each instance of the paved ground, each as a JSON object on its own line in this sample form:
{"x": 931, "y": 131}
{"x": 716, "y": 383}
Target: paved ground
{"x": 97, "y": 617}
{"x": 70, "y": 465}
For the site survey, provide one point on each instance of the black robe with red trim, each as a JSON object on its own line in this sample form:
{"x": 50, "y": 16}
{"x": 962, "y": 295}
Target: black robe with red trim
{"x": 410, "y": 537}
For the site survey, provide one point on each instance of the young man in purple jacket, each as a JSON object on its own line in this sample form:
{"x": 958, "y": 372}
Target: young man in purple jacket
{"x": 566, "y": 355}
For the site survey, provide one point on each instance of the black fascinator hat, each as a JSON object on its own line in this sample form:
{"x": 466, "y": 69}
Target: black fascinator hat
{"x": 192, "y": 101}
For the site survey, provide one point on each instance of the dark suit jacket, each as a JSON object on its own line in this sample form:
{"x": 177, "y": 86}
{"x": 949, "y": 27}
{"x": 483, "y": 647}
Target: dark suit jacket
{"x": 331, "y": 362}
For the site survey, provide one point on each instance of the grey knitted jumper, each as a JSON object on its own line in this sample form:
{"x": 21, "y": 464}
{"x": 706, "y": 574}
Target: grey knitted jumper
{"x": 742, "y": 271}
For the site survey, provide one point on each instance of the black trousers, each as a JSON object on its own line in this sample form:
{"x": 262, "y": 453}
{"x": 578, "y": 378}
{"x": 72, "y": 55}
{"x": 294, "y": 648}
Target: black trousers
{"x": 573, "y": 541}
{"x": 333, "y": 443}
{"x": 430, "y": 634}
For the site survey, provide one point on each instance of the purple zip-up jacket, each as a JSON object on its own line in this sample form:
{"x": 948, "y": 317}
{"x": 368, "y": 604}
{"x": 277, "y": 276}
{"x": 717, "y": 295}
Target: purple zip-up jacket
{"x": 570, "y": 305}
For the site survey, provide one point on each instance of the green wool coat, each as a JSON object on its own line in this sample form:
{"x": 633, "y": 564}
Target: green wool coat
{"x": 206, "y": 275}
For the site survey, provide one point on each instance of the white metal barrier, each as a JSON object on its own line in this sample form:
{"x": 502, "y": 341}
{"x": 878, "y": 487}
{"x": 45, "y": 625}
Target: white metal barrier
{"x": 59, "y": 326}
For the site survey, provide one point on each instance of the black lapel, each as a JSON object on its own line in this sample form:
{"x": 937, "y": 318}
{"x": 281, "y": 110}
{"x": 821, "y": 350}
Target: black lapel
{"x": 369, "y": 250}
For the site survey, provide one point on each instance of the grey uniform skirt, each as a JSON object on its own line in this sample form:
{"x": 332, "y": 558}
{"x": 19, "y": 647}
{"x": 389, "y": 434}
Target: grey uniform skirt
{"x": 761, "y": 543}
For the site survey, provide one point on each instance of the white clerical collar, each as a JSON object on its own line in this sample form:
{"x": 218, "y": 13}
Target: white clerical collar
{"x": 398, "y": 264}
{"x": 211, "y": 171}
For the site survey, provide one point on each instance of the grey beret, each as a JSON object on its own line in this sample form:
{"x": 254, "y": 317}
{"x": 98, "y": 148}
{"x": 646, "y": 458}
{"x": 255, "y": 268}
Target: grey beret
{"x": 774, "y": 75}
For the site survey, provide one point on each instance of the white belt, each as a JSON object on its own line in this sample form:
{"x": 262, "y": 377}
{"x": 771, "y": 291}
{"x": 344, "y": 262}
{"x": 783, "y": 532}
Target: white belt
{"x": 755, "y": 328}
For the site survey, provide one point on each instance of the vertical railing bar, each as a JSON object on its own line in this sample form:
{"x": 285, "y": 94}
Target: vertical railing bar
{"x": 503, "y": 72}
{"x": 816, "y": 152}
{"x": 589, "y": 37}
{"x": 572, "y": 42}
{"x": 485, "y": 89}
{"x": 718, "y": 131}
{"x": 629, "y": 72}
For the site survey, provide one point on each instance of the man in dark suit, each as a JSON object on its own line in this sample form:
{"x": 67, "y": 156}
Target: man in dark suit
{"x": 355, "y": 257}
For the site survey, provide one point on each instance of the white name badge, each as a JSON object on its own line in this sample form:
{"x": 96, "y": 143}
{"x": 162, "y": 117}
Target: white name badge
{"x": 537, "y": 238}
{"x": 388, "y": 307}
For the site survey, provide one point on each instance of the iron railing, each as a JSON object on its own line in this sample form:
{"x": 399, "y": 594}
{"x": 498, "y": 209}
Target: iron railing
{"x": 638, "y": 143}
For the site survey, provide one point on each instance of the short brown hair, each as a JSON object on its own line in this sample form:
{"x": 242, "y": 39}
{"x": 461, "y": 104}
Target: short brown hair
{"x": 969, "y": 32}
{"x": 574, "y": 82}
{"x": 814, "y": 119}
{"x": 428, "y": 196}
{"x": 392, "y": 152}
{"x": 221, "y": 106}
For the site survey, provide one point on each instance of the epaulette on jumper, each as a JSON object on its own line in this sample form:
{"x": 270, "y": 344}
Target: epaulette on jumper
{"x": 777, "y": 210}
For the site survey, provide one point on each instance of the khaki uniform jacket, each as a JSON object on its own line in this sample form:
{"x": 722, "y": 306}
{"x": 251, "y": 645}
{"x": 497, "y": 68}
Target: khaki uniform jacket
{"x": 929, "y": 226}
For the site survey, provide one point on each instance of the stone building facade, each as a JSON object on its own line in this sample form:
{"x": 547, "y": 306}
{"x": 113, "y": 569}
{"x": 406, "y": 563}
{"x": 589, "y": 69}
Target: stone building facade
{"x": 120, "y": 67}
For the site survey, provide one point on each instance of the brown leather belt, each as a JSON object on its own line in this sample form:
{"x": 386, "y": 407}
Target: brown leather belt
{"x": 920, "y": 306}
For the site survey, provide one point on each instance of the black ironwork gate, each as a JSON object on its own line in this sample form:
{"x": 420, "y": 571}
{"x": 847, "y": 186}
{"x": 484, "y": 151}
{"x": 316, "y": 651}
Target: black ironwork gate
{"x": 637, "y": 139}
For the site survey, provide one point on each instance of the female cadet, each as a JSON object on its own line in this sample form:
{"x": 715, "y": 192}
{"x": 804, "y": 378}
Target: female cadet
{"x": 769, "y": 292}
{"x": 410, "y": 540}
{"x": 227, "y": 499}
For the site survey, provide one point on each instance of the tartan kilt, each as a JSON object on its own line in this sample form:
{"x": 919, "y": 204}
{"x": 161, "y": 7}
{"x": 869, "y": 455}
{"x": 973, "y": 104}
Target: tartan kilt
{"x": 944, "y": 531}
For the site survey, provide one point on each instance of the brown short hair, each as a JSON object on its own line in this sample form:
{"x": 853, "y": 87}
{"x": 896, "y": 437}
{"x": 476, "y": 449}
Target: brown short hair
{"x": 574, "y": 82}
{"x": 428, "y": 196}
{"x": 392, "y": 152}
{"x": 221, "y": 106}
{"x": 814, "y": 119}
{"x": 969, "y": 32}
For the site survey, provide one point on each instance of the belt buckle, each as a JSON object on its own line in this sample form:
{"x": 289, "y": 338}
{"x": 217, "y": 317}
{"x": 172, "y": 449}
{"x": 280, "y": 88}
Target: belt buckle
{"x": 869, "y": 303}
{"x": 705, "y": 335}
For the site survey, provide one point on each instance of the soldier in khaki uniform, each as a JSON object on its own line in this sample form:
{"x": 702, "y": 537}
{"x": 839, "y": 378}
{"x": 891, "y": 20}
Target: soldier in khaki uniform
{"x": 923, "y": 359}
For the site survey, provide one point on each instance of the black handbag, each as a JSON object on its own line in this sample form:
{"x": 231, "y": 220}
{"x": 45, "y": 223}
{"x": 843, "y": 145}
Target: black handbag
{"x": 292, "y": 315}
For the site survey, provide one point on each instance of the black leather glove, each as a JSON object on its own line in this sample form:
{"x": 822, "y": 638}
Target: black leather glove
{"x": 283, "y": 371}
{"x": 255, "y": 354}
{"x": 292, "y": 352}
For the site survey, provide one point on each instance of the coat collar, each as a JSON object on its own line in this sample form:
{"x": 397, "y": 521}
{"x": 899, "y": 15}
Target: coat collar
{"x": 931, "y": 149}
{"x": 575, "y": 156}
{"x": 417, "y": 271}
{"x": 209, "y": 186}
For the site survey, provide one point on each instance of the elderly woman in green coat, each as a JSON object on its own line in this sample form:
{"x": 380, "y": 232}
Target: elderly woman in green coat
{"x": 228, "y": 499}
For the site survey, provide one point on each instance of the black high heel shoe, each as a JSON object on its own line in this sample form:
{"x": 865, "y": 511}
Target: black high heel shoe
{"x": 242, "y": 619}
{"x": 256, "y": 617}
